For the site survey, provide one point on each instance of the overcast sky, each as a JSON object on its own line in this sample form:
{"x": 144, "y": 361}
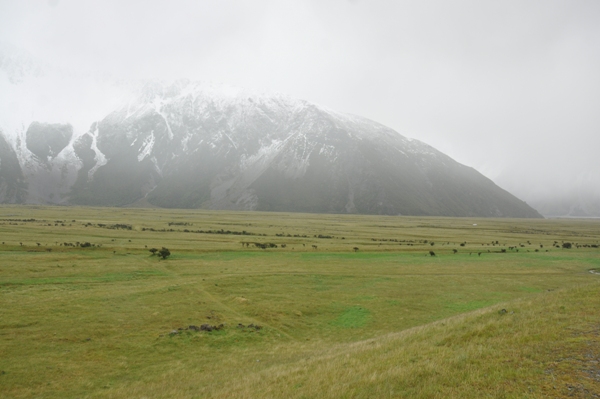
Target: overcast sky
{"x": 509, "y": 87}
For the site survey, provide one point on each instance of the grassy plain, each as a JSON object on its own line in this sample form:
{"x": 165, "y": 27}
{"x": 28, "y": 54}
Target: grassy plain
{"x": 363, "y": 311}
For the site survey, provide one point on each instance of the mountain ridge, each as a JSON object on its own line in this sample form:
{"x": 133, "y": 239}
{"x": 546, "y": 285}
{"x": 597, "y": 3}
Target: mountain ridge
{"x": 195, "y": 145}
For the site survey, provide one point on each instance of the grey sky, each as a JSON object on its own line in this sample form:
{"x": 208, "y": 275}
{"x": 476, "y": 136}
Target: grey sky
{"x": 509, "y": 87}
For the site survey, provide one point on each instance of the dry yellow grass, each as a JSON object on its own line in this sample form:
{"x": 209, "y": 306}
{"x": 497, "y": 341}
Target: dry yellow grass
{"x": 544, "y": 347}
{"x": 384, "y": 321}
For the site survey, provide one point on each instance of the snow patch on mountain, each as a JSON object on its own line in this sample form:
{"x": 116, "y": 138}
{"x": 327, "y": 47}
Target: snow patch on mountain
{"x": 99, "y": 157}
{"x": 147, "y": 147}
{"x": 263, "y": 156}
{"x": 158, "y": 104}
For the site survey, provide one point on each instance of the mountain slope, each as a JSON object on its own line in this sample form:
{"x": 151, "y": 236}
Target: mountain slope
{"x": 13, "y": 188}
{"x": 189, "y": 145}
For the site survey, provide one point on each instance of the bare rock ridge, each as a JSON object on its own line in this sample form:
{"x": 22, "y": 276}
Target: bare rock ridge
{"x": 190, "y": 145}
{"x": 12, "y": 182}
{"x": 46, "y": 141}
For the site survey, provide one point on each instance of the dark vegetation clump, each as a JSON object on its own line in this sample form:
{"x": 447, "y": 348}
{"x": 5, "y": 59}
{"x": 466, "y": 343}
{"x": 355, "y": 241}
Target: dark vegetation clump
{"x": 295, "y": 235}
{"x": 567, "y": 245}
{"x": 206, "y": 327}
{"x": 209, "y": 327}
{"x": 255, "y": 327}
{"x": 203, "y": 327}
{"x": 164, "y": 253}
{"x": 116, "y": 226}
{"x": 79, "y": 244}
{"x": 265, "y": 245}
{"x": 221, "y": 231}
{"x": 385, "y": 240}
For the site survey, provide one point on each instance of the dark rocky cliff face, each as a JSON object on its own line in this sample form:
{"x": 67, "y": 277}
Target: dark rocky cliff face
{"x": 189, "y": 146}
{"x": 47, "y": 140}
{"x": 13, "y": 188}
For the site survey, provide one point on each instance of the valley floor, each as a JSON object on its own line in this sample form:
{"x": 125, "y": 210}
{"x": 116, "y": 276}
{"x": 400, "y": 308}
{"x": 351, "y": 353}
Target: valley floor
{"x": 303, "y": 305}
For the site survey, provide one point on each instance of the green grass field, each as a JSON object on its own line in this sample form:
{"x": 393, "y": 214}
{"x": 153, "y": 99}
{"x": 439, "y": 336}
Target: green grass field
{"x": 347, "y": 306}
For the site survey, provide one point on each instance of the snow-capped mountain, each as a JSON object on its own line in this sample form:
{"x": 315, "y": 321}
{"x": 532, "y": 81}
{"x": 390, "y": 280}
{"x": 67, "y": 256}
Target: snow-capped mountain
{"x": 194, "y": 145}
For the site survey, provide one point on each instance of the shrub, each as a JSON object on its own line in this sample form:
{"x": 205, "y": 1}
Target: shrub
{"x": 164, "y": 253}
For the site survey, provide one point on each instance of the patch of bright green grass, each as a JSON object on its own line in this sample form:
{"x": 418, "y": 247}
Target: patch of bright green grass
{"x": 353, "y": 317}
